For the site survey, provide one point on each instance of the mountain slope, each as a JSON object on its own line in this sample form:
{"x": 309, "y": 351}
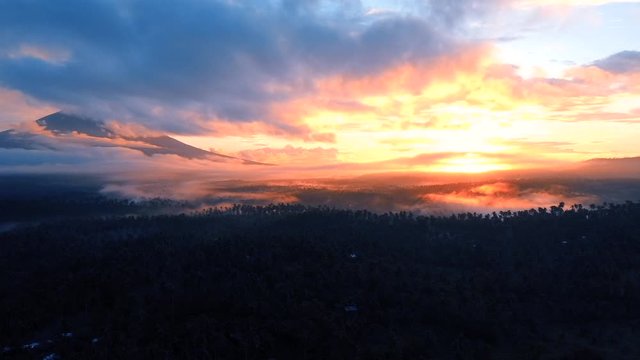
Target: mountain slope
{"x": 65, "y": 127}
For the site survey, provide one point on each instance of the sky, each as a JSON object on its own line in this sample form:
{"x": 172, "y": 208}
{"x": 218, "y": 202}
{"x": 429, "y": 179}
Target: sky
{"x": 325, "y": 87}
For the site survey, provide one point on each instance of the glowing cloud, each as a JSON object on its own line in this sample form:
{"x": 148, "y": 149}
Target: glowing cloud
{"x": 320, "y": 87}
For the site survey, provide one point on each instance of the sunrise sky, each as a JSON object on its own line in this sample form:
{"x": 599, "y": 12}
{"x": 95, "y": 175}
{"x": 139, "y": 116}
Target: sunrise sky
{"x": 417, "y": 85}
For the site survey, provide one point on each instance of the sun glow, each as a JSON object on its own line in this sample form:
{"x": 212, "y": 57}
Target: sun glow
{"x": 478, "y": 116}
{"x": 469, "y": 164}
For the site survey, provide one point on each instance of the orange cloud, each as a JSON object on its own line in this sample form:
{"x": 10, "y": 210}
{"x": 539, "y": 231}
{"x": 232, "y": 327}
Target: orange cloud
{"x": 18, "y": 109}
{"x": 345, "y": 93}
{"x": 407, "y": 78}
{"x": 290, "y": 155}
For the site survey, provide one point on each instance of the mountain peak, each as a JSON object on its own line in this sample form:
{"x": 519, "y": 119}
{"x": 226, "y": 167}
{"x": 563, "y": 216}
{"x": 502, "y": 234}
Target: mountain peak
{"x": 64, "y": 123}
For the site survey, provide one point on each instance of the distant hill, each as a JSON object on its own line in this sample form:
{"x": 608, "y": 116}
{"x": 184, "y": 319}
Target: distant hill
{"x": 615, "y": 167}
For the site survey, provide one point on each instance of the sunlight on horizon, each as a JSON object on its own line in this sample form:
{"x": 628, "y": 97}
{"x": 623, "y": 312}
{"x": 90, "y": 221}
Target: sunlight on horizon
{"x": 469, "y": 164}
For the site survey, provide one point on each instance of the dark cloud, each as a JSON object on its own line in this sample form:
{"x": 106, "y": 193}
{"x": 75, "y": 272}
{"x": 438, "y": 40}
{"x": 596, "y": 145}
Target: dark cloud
{"x": 622, "y": 62}
{"x": 11, "y": 139}
{"x": 156, "y": 61}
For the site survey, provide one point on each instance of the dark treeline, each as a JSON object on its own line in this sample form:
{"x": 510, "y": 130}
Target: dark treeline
{"x": 59, "y": 207}
{"x": 293, "y": 282}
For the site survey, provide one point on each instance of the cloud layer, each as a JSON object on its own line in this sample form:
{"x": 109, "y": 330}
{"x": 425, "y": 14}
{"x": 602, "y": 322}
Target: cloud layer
{"x": 163, "y": 62}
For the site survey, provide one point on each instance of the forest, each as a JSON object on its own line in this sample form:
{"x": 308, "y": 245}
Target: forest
{"x": 299, "y": 282}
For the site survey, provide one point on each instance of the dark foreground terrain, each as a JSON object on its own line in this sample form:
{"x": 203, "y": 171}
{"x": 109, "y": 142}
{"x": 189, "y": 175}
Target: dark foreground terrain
{"x": 291, "y": 282}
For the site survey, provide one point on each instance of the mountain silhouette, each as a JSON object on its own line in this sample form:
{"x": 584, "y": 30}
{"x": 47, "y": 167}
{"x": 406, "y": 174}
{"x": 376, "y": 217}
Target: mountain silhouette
{"x": 62, "y": 124}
